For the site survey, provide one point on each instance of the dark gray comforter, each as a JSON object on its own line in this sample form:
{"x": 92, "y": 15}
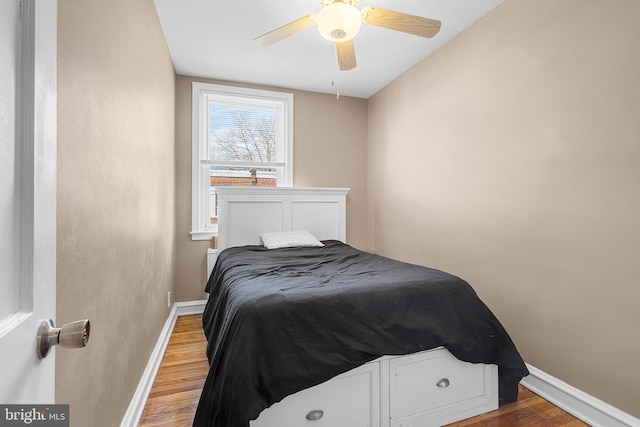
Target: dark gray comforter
{"x": 281, "y": 320}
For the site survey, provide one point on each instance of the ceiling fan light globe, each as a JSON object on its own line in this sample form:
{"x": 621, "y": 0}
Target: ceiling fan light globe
{"x": 339, "y": 22}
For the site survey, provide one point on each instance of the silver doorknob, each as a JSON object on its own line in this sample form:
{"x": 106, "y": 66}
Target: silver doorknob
{"x": 71, "y": 335}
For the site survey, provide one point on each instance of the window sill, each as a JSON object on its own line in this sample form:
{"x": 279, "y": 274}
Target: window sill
{"x": 203, "y": 235}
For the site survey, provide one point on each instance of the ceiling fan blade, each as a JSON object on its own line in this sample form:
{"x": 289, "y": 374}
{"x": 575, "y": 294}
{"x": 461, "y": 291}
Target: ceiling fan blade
{"x": 286, "y": 30}
{"x": 346, "y": 55}
{"x": 412, "y": 24}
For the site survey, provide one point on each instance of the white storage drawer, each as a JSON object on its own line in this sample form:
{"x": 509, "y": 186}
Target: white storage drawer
{"x": 434, "y": 388}
{"x": 349, "y": 400}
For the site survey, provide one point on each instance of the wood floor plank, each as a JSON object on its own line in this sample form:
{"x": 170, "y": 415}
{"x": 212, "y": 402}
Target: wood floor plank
{"x": 176, "y": 390}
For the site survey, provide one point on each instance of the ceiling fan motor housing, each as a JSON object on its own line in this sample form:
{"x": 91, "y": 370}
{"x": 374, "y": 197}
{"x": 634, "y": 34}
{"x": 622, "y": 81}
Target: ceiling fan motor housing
{"x": 339, "y": 21}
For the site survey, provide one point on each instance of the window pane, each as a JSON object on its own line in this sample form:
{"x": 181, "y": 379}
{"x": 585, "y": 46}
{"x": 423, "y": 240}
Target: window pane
{"x": 240, "y": 133}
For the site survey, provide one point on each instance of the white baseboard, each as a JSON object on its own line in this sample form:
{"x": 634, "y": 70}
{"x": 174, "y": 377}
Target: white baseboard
{"x": 589, "y": 409}
{"x": 190, "y": 307}
{"x": 136, "y": 406}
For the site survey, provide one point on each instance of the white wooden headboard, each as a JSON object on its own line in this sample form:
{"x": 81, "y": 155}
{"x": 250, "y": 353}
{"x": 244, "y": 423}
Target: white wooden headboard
{"x": 244, "y": 213}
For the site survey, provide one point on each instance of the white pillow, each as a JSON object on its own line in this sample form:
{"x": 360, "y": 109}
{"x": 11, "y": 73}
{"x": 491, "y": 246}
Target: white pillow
{"x": 290, "y": 239}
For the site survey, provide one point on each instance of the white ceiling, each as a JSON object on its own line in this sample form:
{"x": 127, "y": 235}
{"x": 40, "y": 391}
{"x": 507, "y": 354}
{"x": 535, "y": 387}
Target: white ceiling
{"x": 214, "y": 39}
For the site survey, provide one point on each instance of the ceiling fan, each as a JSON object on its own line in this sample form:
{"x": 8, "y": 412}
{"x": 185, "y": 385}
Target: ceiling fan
{"x": 339, "y": 21}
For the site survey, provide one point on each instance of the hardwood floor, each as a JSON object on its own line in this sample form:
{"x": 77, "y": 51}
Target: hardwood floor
{"x": 176, "y": 390}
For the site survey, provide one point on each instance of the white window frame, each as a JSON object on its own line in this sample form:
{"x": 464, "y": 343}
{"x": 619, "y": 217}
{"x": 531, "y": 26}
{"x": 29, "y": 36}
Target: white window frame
{"x": 201, "y": 227}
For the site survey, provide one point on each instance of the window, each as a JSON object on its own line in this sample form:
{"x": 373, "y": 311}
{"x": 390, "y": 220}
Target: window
{"x": 240, "y": 137}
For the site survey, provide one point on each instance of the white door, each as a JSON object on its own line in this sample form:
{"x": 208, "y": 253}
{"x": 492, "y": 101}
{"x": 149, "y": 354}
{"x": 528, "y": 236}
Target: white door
{"x": 27, "y": 196}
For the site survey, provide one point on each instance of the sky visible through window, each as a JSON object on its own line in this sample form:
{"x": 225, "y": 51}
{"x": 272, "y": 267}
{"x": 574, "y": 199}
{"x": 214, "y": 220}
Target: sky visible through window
{"x": 239, "y": 133}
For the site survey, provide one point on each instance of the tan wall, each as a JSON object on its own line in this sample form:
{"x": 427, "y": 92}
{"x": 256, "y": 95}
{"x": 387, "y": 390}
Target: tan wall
{"x": 116, "y": 199}
{"x": 329, "y": 151}
{"x": 511, "y": 157}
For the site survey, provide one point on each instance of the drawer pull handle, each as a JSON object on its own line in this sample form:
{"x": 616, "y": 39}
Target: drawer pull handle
{"x": 315, "y": 415}
{"x": 443, "y": 383}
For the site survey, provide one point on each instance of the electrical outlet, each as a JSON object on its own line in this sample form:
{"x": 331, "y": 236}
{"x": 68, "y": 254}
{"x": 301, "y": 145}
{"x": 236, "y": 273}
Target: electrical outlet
{"x": 168, "y": 299}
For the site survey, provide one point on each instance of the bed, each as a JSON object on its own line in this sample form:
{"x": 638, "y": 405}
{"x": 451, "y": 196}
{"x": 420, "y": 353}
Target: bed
{"x": 315, "y": 332}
